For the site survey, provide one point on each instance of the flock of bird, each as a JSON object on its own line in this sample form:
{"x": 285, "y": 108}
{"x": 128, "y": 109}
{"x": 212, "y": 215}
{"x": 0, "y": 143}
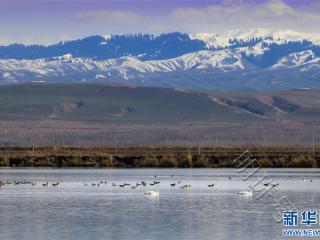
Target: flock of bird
{"x": 25, "y": 182}
{"x": 142, "y": 184}
{"x": 98, "y": 184}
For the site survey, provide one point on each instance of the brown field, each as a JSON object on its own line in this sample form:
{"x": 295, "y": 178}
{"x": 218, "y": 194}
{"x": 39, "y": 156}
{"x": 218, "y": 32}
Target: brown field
{"x": 160, "y": 157}
{"x": 55, "y": 133}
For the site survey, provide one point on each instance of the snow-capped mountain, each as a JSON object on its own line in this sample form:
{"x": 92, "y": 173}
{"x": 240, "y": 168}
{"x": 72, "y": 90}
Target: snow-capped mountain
{"x": 267, "y": 36}
{"x": 256, "y": 59}
{"x": 126, "y": 67}
{"x": 297, "y": 59}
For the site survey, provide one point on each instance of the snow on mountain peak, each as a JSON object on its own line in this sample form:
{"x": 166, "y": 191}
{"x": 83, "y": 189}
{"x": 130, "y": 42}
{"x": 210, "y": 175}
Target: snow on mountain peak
{"x": 296, "y": 59}
{"x": 107, "y": 37}
{"x": 67, "y": 56}
{"x": 276, "y": 35}
{"x": 264, "y": 33}
{"x": 225, "y": 60}
{"x": 212, "y": 40}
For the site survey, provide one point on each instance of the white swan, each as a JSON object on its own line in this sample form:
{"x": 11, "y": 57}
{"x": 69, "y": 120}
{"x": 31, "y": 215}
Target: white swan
{"x": 246, "y": 193}
{"x": 152, "y": 193}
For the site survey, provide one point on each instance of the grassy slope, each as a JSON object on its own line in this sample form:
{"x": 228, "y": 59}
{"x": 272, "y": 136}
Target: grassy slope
{"x": 95, "y": 102}
{"x": 302, "y": 105}
{"x": 101, "y": 102}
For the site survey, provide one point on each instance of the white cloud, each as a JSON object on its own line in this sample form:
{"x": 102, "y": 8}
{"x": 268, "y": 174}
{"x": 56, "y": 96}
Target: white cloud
{"x": 5, "y": 41}
{"x": 272, "y": 14}
{"x": 277, "y": 8}
{"x": 214, "y": 18}
{"x": 106, "y": 16}
{"x": 232, "y": 14}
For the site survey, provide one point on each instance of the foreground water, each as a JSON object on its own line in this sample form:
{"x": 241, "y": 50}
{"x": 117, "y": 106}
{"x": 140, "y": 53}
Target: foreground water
{"x": 78, "y": 210}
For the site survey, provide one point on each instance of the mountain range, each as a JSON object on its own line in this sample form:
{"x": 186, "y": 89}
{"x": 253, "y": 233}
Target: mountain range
{"x": 240, "y": 60}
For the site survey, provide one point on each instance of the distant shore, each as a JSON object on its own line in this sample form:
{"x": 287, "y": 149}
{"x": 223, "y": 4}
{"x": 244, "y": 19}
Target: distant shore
{"x": 160, "y": 157}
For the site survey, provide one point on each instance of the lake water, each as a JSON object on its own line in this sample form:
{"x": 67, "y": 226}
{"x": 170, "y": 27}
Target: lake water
{"x": 78, "y": 210}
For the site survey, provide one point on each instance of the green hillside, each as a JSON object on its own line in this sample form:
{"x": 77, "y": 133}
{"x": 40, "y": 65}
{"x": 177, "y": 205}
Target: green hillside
{"x": 94, "y": 102}
{"x": 97, "y": 102}
{"x": 295, "y": 105}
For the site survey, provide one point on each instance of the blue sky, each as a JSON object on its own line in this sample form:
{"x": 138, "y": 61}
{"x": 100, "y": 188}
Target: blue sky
{"x": 47, "y": 21}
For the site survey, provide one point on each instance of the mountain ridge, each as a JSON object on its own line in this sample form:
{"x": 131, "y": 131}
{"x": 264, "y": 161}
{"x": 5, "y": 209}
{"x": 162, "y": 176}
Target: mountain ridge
{"x": 135, "y": 44}
{"x": 251, "y": 60}
{"x": 97, "y": 102}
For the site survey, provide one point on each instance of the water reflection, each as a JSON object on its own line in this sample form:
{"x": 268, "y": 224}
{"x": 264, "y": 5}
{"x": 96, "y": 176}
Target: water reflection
{"x": 75, "y": 211}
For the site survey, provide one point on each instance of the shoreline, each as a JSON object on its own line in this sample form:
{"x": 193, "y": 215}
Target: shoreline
{"x": 157, "y": 157}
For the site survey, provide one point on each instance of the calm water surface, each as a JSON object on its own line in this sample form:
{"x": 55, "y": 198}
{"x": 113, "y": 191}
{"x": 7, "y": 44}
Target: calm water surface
{"x": 76, "y": 210}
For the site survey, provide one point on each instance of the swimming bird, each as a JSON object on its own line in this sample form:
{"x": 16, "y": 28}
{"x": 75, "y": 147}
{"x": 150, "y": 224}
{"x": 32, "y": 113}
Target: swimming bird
{"x": 211, "y": 185}
{"x": 305, "y": 180}
{"x": 267, "y": 184}
{"x": 33, "y": 184}
{"x": 45, "y": 184}
{"x": 2, "y": 184}
{"x": 173, "y": 184}
{"x": 246, "y": 193}
{"x": 55, "y": 184}
{"x": 185, "y": 186}
{"x": 152, "y": 193}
